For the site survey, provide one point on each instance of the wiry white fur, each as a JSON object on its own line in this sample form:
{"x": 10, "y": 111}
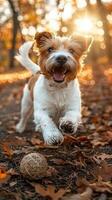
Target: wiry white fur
{"x": 54, "y": 104}
{"x": 23, "y": 58}
{"x": 26, "y": 109}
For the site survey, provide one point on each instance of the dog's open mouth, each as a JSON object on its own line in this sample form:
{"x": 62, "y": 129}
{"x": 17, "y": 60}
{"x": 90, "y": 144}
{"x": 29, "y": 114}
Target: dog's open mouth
{"x": 59, "y": 75}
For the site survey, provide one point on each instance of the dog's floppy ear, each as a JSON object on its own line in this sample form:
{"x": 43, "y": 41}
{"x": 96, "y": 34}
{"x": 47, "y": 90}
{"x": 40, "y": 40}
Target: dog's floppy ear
{"x": 42, "y": 37}
{"x": 84, "y": 42}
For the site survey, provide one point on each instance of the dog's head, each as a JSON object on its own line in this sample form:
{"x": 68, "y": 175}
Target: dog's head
{"x": 59, "y": 56}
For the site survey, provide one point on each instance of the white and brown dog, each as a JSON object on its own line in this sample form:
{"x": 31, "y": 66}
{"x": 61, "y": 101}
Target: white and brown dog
{"x": 53, "y": 90}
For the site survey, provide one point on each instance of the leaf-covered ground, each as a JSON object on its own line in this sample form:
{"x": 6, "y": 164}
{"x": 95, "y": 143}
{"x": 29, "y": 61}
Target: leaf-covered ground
{"x": 81, "y": 167}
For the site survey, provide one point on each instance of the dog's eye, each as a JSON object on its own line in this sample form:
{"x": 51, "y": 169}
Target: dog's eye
{"x": 71, "y": 51}
{"x": 50, "y": 49}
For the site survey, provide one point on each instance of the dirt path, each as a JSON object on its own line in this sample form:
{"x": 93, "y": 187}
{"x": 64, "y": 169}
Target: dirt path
{"x": 84, "y": 158}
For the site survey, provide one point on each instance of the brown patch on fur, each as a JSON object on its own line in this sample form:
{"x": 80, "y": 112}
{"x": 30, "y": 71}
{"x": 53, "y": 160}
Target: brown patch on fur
{"x": 31, "y": 83}
{"x": 42, "y": 37}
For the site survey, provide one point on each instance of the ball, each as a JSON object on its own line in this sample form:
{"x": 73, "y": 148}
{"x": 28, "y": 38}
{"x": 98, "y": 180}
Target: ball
{"x": 34, "y": 166}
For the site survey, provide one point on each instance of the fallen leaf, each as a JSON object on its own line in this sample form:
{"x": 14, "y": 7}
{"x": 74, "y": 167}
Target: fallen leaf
{"x": 3, "y": 166}
{"x": 6, "y": 195}
{"x": 58, "y": 161}
{"x": 52, "y": 171}
{"x": 12, "y": 184}
{"x": 7, "y": 150}
{"x": 101, "y": 139}
{"x": 86, "y": 195}
{"x": 12, "y": 172}
{"x": 107, "y": 136}
{"x": 4, "y": 176}
{"x": 101, "y": 186}
{"x": 36, "y": 141}
{"x": 104, "y": 156}
{"x": 49, "y": 191}
{"x": 68, "y": 139}
{"x": 45, "y": 146}
{"x": 105, "y": 171}
{"x": 98, "y": 186}
{"x": 96, "y": 140}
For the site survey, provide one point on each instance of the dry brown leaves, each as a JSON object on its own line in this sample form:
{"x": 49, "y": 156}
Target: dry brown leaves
{"x": 50, "y": 191}
{"x": 101, "y": 186}
{"x": 7, "y": 150}
{"x": 105, "y": 171}
{"x": 36, "y": 141}
{"x": 104, "y": 156}
{"x": 69, "y": 139}
{"x": 100, "y": 139}
{"x": 5, "y": 175}
{"x": 86, "y": 195}
{"x": 6, "y": 195}
{"x": 39, "y": 144}
{"x": 7, "y": 145}
{"x": 97, "y": 186}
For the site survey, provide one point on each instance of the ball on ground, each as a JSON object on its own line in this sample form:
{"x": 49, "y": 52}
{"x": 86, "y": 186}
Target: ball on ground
{"x": 34, "y": 166}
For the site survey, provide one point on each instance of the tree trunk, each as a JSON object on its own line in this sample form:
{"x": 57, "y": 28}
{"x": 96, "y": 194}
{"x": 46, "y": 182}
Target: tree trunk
{"x": 15, "y": 31}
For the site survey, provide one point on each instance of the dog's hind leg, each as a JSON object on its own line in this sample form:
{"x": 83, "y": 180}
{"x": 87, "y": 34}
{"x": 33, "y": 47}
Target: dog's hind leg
{"x": 26, "y": 110}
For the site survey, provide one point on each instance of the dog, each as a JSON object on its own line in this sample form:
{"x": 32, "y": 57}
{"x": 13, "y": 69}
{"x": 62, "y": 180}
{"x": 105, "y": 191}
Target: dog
{"x": 53, "y": 91}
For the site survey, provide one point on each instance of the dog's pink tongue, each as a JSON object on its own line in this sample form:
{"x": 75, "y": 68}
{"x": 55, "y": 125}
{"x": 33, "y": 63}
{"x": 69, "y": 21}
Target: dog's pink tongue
{"x": 59, "y": 77}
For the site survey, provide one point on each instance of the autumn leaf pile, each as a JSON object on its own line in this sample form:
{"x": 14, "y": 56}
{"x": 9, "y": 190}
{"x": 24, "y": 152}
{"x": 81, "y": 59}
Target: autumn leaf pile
{"x": 81, "y": 167}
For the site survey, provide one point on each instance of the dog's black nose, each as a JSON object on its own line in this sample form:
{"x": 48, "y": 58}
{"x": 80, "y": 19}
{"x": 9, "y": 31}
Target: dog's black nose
{"x": 61, "y": 59}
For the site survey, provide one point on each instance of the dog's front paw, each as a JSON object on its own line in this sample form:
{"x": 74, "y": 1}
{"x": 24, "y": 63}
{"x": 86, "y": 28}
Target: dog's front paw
{"x": 38, "y": 128}
{"x": 20, "y": 127}
{"x": 67, "y": 127}
{"x": 54, "y": 137}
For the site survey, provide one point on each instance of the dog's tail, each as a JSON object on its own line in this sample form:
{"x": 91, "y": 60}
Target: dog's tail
{"x": 23, "y": 58}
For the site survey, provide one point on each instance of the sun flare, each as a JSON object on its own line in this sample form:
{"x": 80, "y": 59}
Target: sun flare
{"x": 84, "y": 25}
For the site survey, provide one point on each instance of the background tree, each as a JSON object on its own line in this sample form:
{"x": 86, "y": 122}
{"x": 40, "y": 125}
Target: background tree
{"x": 16, "y": 26}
